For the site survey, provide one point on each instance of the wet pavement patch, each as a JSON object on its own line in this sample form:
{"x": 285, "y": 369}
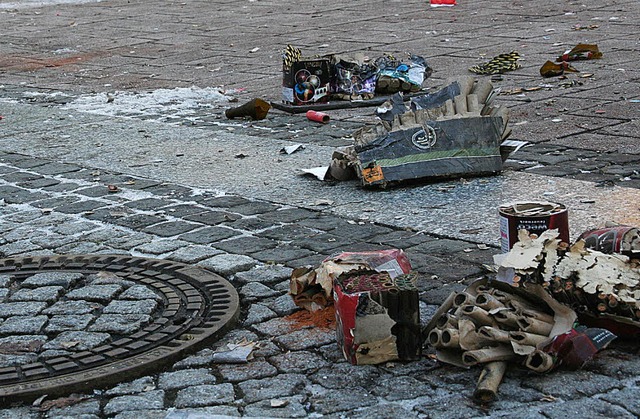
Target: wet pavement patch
{"x": 112, "y": 318}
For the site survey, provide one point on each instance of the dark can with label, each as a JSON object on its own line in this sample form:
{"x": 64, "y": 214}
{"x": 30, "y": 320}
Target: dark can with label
{"x": 535, "y": 217}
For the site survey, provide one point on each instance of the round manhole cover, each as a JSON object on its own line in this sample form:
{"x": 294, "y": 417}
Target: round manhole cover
{"x": 72, "y": 323}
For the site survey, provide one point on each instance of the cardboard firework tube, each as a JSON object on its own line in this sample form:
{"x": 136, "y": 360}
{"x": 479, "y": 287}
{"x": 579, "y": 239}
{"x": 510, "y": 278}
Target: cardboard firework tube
{"x": 487, "y": 302}
{"x": 446, "y": 306}
{"x": 318, "y": 117}
{"x": 489, "y": 381}
{"x": 507, "y": 318}
{"x": 524, "y": 338}
{"x": 435, "y": 338}
{"x": 463, "y": 299}
{"x": 450, "y": 338}
{"x": 534, "y": 326}
{"x": 479, "y": 316}
{"x": 446, "y": 320}
{"x": 539, "y": 361}
{"x": 481, "y": 356}
{"x": 538, "y": 315}
{"x": 495, "y": 334}
{"x": 255, "y": 109}
{"x": 535, "y": 217}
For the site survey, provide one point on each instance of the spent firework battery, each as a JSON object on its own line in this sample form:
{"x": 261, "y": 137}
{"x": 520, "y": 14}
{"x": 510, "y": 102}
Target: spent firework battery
{"x": 617, "y": 239}
{"x": 535, "y": 217}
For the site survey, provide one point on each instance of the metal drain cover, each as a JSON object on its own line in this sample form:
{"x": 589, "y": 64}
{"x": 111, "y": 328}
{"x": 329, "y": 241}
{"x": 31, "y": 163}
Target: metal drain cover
{"x": 72, "y": 323}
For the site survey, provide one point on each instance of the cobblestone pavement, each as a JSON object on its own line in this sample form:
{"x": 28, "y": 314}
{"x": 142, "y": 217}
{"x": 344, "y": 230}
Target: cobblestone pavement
{"x": 583, "y": 128}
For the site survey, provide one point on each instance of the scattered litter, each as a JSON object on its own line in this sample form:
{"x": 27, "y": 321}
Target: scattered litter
{"x": 551, "y": 69}
{"x": 61, "y": 402}
{"x": 581, "y": 52}
{"x": 290, "y": 149}
{"x": 276, "y": 403}
{"x": 578, "y": 27}
{"x": 256, "y": 49}
{"x": 235, "y": 353}
{"x": 256, "y": 109}
{"x": 113, "y": 188}
{"x": 318, "y": 117}
{"x": 442, "y": 3}
{"x": 498, "y": 64}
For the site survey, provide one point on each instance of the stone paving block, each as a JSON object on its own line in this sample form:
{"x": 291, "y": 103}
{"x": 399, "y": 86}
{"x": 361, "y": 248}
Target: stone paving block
{"x": 158, "y": 247}
{"x": 122, "y": 324}
{"x": 148, "y": 204}
{"x": 253, "y": 370}
{"x": 400, "y": 388}
{"x": 282, "y": 254}
{"x": 19, "y": 248}
{"x": 171, "y": 228}
{"x": 138, "y": 221}
{"x": 131, "y": 307}
{"x": 137, "y": 414}
{"x": 258, "y": 313}
{"x": 306, "y": 338}
{"x": 289, "y": 232}
{"x": 63, "y": 279}
{"x": 248, "y": 224}
{"x": 185, "y": 378}
{"x": 61, "y": 323}
{"x": 283, "y": 305}
{"x": 294, "y": 408}
{"x": 139, "y": 292}
{"x": 225, "y": 201}
{"x": 212, "y": 217}
{"x": 21, "y": 308}
{"x": 288, "y": 215}
{"x": 81, "y": 409}
{"x": 205, "y": 395}
{"x": 265, "y": 274}
{"x": 274, "y": 387}
{"x": 142, "y": 401}
{"x": 193, "y": 253}
{"x": 77, "y": 341}
{"x": 245, "y": 244}
{"x": 387, "y": 410}
{"x": 5, "y": 280}
{"x": 72, "y": 307}
{"x": 19, "y": 412}
{"x": 227, "y": 264}
{"x": 255, "y": 290}
{"x": 183, "y": 210}
{"x": 138, "y": 385}
{"x": 208, "y": 235}
{"x": 300, "y": 361}
{"x": 254, "y": 208}
{"x": 570, "y": 385}
{"x": 80, "y": 207}
{"x": 332, "y": 402}
{"x": 98, "y": 293}
{"x": 205, "y": 412}
{"x": 23, "y": 325}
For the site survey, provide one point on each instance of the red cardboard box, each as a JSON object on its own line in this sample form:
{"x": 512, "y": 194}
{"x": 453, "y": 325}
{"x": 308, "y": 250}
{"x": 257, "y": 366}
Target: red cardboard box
{"x": 377, "y": 311}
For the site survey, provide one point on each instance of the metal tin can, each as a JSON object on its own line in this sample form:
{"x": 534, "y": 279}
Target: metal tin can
{"x": 535, "y": 217}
